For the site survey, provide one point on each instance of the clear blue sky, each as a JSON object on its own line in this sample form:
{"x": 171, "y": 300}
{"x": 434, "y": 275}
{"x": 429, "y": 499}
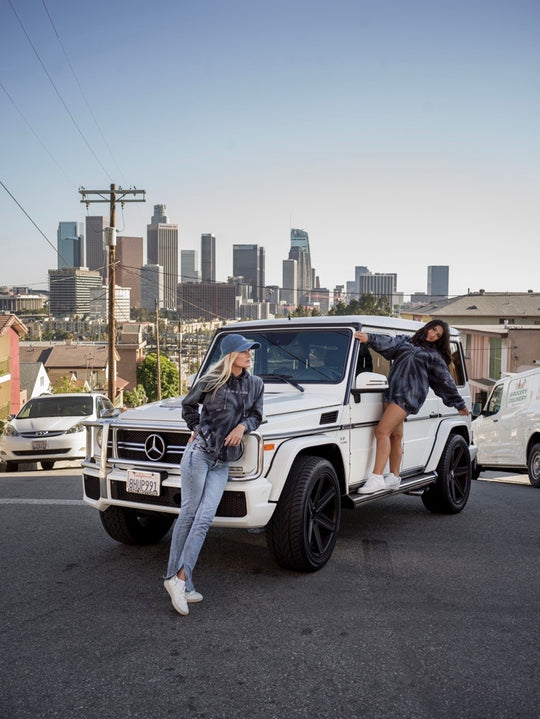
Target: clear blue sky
{"x": 398, "y": 133}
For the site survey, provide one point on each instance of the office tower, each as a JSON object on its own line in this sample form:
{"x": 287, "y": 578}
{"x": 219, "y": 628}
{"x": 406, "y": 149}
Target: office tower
{"x": 300, "y": 252}
{"x": 69, "y": 289}
{"x": 162, "y": 249}
{"x": 248, "y": 262}
{"x": 437, "y": 282}
{"x": 70, "y": 238}
{"x": 129, "y": 260}
{"x": 208, "y": 258}
{"x": 151, "y": 287}
{"x": 358, "y": 271}
{"x": 206, "y": 301}
{"x": 289, "y": 290}
{"x": 189, "y": 266}
{"x": 378, "y": 284}
{"x": 99, "y": 303}
{"x": 96, "y": 255}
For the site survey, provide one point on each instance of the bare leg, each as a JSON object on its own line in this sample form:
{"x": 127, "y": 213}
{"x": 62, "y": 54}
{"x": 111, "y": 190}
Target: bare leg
{"x": 388, "y": 434}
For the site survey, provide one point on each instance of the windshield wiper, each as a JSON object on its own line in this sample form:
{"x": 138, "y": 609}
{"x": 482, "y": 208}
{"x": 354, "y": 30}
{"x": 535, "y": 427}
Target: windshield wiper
{"x": 284, "y": 378}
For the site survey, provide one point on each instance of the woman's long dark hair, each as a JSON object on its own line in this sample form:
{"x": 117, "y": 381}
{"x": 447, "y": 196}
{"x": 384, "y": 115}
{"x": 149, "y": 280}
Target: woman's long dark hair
{"x": 442, "y": 345}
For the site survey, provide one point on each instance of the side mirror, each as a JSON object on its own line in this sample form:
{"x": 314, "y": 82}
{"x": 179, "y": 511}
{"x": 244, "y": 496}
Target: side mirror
{"x": 476, "y": 409}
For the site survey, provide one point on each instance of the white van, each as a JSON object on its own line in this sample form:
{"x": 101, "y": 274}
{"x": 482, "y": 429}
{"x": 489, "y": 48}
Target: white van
{"x": 507, "y": 432}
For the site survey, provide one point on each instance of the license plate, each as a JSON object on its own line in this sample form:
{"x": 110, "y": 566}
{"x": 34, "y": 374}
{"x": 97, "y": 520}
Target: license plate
{"x": 139, "y": 482}
{"x": 39, "y": 444}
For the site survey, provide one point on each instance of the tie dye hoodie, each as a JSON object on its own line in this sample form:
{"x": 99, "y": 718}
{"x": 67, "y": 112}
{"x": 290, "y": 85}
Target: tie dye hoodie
{"x": 414, "y": 370}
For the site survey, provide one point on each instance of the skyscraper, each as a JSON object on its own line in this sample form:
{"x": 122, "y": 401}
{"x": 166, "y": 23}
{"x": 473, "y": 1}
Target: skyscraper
{"x": 129, "y": 260}
{"x": 208, "y": 258}
{"x": 437, "y": 281}
{"x": 289, "y": 291}
{"x": 70, "y": 290}
{"x": 301, "y": 253}
{"x": 162, "y": 249}
{"x": 70, "y": 244}
{"x": 96, "y": 256}
{"x": 151, "y": 287}
{"x": 189, "y": 266}
{"x": 248, "y": 262}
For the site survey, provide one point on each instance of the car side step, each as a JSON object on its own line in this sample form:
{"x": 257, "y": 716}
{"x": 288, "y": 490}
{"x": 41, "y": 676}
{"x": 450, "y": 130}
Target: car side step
{"x": 354, "y": 500}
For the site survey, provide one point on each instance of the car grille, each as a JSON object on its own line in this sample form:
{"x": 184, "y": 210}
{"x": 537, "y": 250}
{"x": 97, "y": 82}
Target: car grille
{"x": 40, "y": 452}
{"x": 232, "y": 504}
{"x": 40, "y": 435}
{"x": 154, "y": 446}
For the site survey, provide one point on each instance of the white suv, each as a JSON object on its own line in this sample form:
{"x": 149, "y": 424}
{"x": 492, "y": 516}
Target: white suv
{"x": 315, "y": 447}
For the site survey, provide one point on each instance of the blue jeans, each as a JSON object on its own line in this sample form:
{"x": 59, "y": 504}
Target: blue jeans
{"x": 203, "y": 483}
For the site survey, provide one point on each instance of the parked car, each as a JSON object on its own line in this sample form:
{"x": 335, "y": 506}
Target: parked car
{"x": 50, "y": 428}
{"x": 507, "y": 431}
{"x": 314, "y": 449}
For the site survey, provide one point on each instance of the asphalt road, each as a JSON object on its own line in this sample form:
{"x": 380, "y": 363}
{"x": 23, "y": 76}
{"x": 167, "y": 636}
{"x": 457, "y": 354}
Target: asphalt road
{"x": 415, "y": 616}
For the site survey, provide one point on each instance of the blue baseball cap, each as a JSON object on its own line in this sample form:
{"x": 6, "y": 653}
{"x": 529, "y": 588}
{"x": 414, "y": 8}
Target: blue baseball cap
{"x": 237, "y": 343}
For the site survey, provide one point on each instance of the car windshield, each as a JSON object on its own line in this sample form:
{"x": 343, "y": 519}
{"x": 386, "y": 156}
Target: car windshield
{"x": 56, "y": 407}
{"x": 305, "y": 356}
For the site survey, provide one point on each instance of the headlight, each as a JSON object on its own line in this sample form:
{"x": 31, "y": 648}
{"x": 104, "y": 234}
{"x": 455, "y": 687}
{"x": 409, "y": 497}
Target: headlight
{"x": 98, "y": 436}
{"x": 76, "y": 428}
{"x": 11, "y": 431}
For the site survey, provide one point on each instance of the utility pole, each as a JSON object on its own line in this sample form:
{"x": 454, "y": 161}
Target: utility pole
{"x": 158, "y": 359}
{"x": 111, "y": 196}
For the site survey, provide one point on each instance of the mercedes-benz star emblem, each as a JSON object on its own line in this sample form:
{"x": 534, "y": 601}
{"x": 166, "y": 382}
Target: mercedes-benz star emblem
{"x": 154, "y": 447}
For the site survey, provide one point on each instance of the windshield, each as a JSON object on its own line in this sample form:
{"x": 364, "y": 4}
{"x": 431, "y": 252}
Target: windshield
{"x": 306, "y": 356}
{"x": 56, "y": 407}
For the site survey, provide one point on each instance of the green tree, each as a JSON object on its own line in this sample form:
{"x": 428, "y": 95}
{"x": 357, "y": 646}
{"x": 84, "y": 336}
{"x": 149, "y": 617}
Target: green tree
{"x": 64, "y": 384}
{"x": 299, "y": 311}
{"x": 367, "y": 305}
{"x": 135, "y": 397}
{"x": 147, "y": 376}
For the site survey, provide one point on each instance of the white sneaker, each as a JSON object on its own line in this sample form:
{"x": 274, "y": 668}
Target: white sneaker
{"x": 194, "y": 596}
{"x": 391, "y": 481}
{"x": 375, "y": 483}
{"x": 177, "y": 591}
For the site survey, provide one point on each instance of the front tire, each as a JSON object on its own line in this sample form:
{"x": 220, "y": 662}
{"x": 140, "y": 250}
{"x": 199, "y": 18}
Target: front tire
{"x": 47, "y": 466}
{"x": 533, "y": 465}
{"x": 304, "y": 527}
{"x": 132, "y": 527}
{"x": 450, "y": 492}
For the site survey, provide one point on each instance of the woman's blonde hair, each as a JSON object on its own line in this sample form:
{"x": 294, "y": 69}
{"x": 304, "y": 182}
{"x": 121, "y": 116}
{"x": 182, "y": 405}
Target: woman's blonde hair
{"x": 219, "y": 373}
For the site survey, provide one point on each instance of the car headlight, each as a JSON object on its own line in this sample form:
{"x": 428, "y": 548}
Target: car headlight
{"x": 76, "y": 428}
{"x": 98, "y": 437}
{"x": 11, "y": 431}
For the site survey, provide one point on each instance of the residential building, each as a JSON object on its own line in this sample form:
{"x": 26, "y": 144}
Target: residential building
{"x": 96, "y": 255}
{"x": 130, "y": 347}
{"x": 34, "y": 380}
{"x": 69, "y": 289}
{"x": 70, "y": 244}
{"x": 130, "y": 259}
{"x": 482, "y": 308}
{"x": 162, "y": 249}
{"x": 208, "y": 258}
{"x": 11, "y": 331}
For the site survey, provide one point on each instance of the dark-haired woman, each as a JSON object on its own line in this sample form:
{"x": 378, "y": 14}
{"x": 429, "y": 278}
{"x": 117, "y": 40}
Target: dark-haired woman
{"x": 418, "y": 363}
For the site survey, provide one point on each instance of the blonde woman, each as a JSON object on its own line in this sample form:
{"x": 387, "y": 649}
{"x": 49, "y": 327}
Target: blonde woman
{"x": 231, "y": 400}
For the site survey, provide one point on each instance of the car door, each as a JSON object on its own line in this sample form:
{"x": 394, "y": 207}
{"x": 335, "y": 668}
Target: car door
{"x": 488, "y": 432}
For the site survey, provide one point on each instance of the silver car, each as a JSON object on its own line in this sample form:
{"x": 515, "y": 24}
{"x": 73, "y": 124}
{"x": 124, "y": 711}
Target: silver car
{"x": 49, "y": 429}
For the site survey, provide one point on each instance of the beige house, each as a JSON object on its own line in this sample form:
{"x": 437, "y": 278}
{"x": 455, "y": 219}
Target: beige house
{"x": 500, "y": 333}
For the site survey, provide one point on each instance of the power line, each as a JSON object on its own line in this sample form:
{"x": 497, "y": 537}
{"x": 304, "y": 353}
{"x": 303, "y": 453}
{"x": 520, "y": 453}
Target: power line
{"x": 80, "y": 86}
{"x": 57, "y": 91}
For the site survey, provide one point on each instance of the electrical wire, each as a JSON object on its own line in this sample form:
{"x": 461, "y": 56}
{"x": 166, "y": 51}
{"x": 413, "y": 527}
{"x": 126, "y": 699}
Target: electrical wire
{"x": 90, "y": 148}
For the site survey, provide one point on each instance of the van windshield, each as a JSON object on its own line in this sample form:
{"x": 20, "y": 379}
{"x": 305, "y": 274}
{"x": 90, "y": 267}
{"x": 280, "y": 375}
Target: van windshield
{"x": 306, "y": 356}
{"x": 56, "y": 407}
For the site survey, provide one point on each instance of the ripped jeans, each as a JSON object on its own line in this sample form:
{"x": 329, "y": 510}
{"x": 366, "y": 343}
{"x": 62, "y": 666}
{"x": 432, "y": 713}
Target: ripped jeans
{"x": 203, "y": 483}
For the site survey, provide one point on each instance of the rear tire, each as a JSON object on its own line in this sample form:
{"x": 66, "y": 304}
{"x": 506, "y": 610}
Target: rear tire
{"x": 533, "y": 465}
{"x": 132, "y": 527}
{"x": 304, "y": 527}
{"x": 450, "y": 492}
{"x": 12, "y": 467}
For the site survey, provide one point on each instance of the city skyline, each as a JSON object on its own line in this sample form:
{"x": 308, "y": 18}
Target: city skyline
{"x": 402, "y": 135}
